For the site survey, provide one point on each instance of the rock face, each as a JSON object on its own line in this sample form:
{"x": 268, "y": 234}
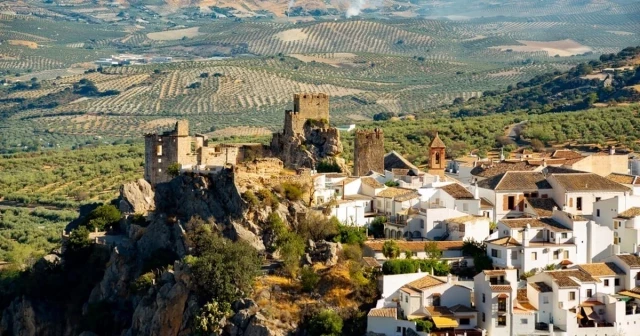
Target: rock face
{"x": 323, "y": 251}
{"x": 248, "y": 321}
{"x": 307, "y": 149}
{"x": 137, "y": 197}
{"x": 25, "y": 317}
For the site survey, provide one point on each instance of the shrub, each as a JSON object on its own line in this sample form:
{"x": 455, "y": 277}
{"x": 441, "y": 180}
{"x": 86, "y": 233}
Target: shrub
{"x": 79, "y": 238}
{"x": 404, "y": 266}
{"x": 351, "y": 252}
{"x": 392, "y": 183}
{"x": 143, "y": 283}
{"x": 376, "y": 227}
{"x": 291, "y": 247}
{"x": 103, "y": 217}
{"x": 309, "y": 279}
{"x": 316, "y": 227}
{"x": 350, "y": 235}
{"x": 424, "y": 325}
{"x": 208, "y": 320}
{"x": 251, "y": 199}
{"x": 325, "y": 323}
{"x": 268, "y": 198}
{"x": 174, "y": 169}
{"x": 390, "y": 249}
{"x": 328, "y": 166}
{"x": 292, "y": 191}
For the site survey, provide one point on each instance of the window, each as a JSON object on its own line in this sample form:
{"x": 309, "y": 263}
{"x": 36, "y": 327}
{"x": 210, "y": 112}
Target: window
{"x": 421, "y": 224}
{"x": 524, "y": 321}
{"x": 589, "y": 292}
{"x": 159, "y": 160}
{"x": 534, "y": 194}
{"x": 483, "y": 317}
{"x": 606, "y": 282}
{"x": 598, "y": 198}
{"x": 597, "y": 212}
{"x": 465, "y": 321}
{"x": 406, "y": 298}
{"x": 572, "y": 296}
{"x": 502, "y": 305}
{"x": 544, "y": 196}
{"x": 465, "y": 207}
{"x": 616, "y": 282}
{"x": 527, "y": 195}
{"x": 483, "y": 299}
{"x": 534, "y": 255}
{"x": 637, "y": 276}
{"x": 514, "y": 255}
{"x": 437, "y": 158}
{"x": 566, "y": 255}
{"x": 398, "y": 329}
{"x": 545, "y": 299}
{"x": 511, "y": 202}
{"x": 159, "y": 170}
{"x": 556, "y": 254}
{"x": 436, "y": 300}
{"x": 579, "y": 203}
{"x": 615, "y": 224}
{"x": 495, "y": 253}
{"x": 564, "y": 235}
{"x": 502, "y": 321}
{"x": 159, "y": 150}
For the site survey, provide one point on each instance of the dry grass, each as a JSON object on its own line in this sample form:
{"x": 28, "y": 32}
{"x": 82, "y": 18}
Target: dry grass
{"x": 292, "y": 35}
{"x": 562, "y": 48}
{"x": 28, "y": 44}
{"x": 177, "y": 34}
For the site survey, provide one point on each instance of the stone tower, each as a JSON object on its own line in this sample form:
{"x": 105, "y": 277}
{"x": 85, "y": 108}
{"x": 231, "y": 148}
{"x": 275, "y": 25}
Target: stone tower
{"x": 437, "y": 162}
{"x": 368, "y": 152}
{"x": 306, "y": 106}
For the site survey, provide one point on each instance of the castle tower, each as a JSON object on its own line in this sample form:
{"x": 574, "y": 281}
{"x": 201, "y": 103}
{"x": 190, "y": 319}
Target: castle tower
{"x": 437, "y": 162}
{"x": 368, "y": 152}
{"x": 306, "y": 106}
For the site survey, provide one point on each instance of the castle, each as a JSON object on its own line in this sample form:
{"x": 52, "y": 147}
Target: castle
{"x": 191, "y": 152}
{"x": 368, "y": 152}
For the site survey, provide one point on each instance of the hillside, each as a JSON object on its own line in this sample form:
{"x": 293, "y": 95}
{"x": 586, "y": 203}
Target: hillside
{"x": 237, "y": 71}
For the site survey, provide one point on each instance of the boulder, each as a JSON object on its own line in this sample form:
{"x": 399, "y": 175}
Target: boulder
{"x": 137, "y": 198}
{"x": 324, "y": 252}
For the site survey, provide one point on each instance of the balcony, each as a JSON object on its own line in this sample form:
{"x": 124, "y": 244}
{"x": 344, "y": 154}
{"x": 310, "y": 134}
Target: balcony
{"x": 400, "y": 221}
{"x": 502, "y": 306}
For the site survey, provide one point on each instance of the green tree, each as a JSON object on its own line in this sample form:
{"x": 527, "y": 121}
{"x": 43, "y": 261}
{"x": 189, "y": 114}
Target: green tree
{"x": 174, "y": 169}
{"x": 209, "y": 318}
{"x": 376, "y": 227}
{"x": 103, "y": 217}
{"x": 222, "y": 270}
{"x": 309, "y": 278}
{"x": 291, "y": 248}
{"x": 79, "y": 238}
{"x": 432, "y": 251}
{"x": 325, "y": 323}
{"x": 390, "y": 249}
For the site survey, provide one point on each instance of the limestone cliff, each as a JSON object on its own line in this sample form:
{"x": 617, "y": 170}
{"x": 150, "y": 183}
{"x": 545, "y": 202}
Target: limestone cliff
{"x": 317, "y": 143}
{"x": 168, "y": 306}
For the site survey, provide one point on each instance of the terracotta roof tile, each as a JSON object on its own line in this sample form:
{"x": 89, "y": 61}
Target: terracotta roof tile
{"x": 601, "y": 269}
{"x": 566, "y": 154}
{"x": 505, "y": 241}
{"x": 439, "y": 311}
{"x": 400, "y": 171}
{"x": 415, "y": 246}
{"x": 485, "y": 203}
{"x": 394, "y": 160}
{"x": 424, "y": 283}
{"x": 371, "y": 262}
{"x": 501, "y": 288}
{"x": 587, "y": 181}
{"x": 624, "y": 178}
{"x": 383, "y": 312}
{"x": 541, "y": 287}
{"x": 466, "y": 219}
{"x": 494, "y": 272}
{"x": 498, "y": 168}
{"x": 372, "y": 182}
{"x": 436, "y": 142}
{"x": 457, "y": 191}
{"x": 392, "y": 192}
{"x": 630, "y": 213}
{"x": 567, "y": 278}
{"x": 543, "y": 207}
{"x": 516, "y": 181}
{"x": 521, "y": 223}
{"x": 591, "y": 303}
{"x": 462, "y": 309}
{"x": 630, "y": 260}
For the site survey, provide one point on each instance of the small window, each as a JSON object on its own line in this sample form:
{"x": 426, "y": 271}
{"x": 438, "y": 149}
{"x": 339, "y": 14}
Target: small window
{"x": 436, "y": 300}
{"x": 465, "y": 207}
{"x": 483, "y": 317}
{"x": 502, "y": 320}
{"x": 597, "y": 212}
{"x": 598, "y": 198}
{"x": 566, "y": 254}
{"x": 606, "y": 282}
{"x": 556, "y": 255}
{"x": 511, "y": 202}
{"x": 616, "y": 282}
{"x": 406, "y": 298}
{"x": 615, "y": 224}
{"x": 589, "y": 292}
{"x": 159, "y": 170}
{"x": 465, "y": 321}
{"x": 398, "y": 329}
{"x": 534, "y": 194}
{"x": 579, "y": 203}
{"x": 572, "y": 296}
{"x": 422, "y": 225}
{"x": 514, "y": 255}
{"x": 545, "y": 299}
{"x": 564, "y": 235}
{"x": 638, "y": 276}
{"x": 495, "y": 253}
{"x": 483, "y": 299}
{"x": 524, "y": 321}
{"x": 159, "y": 160}
{"x": 534, "y": 255}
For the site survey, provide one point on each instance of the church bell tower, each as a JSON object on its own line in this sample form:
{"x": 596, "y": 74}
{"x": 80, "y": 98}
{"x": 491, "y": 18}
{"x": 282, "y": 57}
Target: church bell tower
{"x": 437, "y": 162}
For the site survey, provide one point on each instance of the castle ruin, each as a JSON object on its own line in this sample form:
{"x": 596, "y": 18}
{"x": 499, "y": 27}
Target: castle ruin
{"x": 368, "y": 152}
{"x": 306, "y": 138}
{"x": 191, "y": 152}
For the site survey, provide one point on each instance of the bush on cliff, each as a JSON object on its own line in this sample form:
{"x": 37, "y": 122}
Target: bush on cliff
{"x": 326, "y": 323}
{"x": 223, "y": 270}
{"x": 103, "y": 217}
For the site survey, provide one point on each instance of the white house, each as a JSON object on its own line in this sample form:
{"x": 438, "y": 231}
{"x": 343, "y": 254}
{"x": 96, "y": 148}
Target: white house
{"x": 508, "y": 191}
{"x": 451, "y": 250}
{"x": 622, "y": 215}
{"x": 630, "y": 181}
{"x": 576, "y": 193}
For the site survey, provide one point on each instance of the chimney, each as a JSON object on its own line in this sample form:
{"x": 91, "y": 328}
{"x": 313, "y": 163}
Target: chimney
{"x": 476, "y": 192}
{"x": 612, "y": 150}
{"x": 449, "y": 278}
{"x": 525, "y": 235}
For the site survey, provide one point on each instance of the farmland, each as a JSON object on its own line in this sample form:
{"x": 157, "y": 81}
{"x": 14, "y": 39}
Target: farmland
{"x": 229, "y": 73}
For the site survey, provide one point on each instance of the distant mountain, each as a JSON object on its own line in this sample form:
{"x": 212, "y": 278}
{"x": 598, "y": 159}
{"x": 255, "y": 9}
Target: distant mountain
{"x": 615, "y": 78}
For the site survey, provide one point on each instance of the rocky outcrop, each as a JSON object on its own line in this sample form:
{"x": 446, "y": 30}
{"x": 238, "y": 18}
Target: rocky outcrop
{"x": 137, "y": 197}
{"x": 322, "y": 251}
{"x": 306, "y": 150}
{"x": 166, "y": 308}
{"x": 249, "y": 321}
{"x": 25, "y": 317}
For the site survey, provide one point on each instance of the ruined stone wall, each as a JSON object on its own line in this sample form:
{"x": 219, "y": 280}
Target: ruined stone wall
{"x": 368, "y": 152}
{"x": 160, "y": 152}
{"x": 311, "y": 105}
